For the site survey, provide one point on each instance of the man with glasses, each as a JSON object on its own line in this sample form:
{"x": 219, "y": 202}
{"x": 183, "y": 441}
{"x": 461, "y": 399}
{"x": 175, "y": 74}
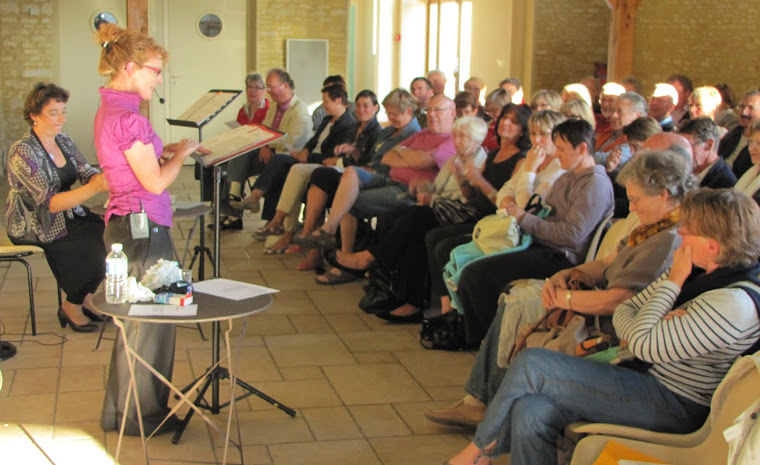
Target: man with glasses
{"x": 733, "y": 147}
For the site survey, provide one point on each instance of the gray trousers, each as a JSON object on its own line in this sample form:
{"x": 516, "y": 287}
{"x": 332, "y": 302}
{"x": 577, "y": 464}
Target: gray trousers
{"x": 155, "y": 341}
{"x": 486, "y": 375}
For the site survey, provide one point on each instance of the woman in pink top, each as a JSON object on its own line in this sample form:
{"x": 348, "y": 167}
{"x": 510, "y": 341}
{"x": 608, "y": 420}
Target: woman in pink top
{"x": 138, "y": 169}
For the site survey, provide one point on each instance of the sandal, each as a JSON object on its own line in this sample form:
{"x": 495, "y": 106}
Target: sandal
{"x": 294, "y": 249}
{"x": 261, "y": 233}
{"x": 273, "y": 251}
{"x": 332, "y": 279}
{"x": 322, "y": 240}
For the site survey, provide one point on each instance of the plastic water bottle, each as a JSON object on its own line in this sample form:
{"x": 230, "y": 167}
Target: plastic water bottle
{"x": 116, "y": 275}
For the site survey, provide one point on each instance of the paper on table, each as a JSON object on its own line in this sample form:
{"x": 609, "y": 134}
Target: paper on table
{"x": 229, "y": 289}
{"x": 163, "y": 310}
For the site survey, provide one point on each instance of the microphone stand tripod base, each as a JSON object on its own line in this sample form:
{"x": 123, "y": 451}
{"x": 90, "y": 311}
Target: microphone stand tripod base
{"x": 7, "y": 350}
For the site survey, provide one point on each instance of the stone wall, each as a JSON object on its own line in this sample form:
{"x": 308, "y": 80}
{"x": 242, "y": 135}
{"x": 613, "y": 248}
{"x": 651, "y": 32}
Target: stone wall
{"x": 709, "y": 41}
{"x": 278, "y": 20}
{"x": 570, "y": 36}
{"x": 27, "y": 44}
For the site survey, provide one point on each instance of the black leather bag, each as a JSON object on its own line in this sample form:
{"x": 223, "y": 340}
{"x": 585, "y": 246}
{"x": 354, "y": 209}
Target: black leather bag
{"x": 380, "y": 291}
{"x": 444, "y": 332}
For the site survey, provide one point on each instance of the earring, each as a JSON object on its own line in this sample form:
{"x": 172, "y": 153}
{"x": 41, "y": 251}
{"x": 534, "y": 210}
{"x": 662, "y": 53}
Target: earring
{"x": 34, "y": 123}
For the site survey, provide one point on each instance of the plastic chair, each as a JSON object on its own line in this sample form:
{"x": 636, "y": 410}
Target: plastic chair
{"x": 737, "y": 391}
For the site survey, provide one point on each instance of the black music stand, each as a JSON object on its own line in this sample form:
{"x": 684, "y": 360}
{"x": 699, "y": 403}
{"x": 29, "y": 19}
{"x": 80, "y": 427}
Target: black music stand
{"x": 198, "y": 115}
{"x": 258, "y": 136}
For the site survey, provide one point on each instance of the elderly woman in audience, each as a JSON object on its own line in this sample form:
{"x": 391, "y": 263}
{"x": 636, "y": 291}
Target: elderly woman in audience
{"x": 579, "y": 200}
{"x": 534, "y": 174}
{"x": 42, "y": 209}
{"x": 545, "y": 100}
{"x": 365, "y": 130}
{"x": 657, "y": 183}
{"x": 749, "y": 183}
{"x": 664, "y": 325}
{"x": 399, "y": 105}
{"x": 401, "y": 240}
{"x": 578, "y": 109}
{"x": 333, "y": 131}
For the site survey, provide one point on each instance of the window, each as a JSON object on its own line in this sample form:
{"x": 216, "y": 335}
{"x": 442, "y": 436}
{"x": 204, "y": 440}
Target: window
{"x": 450, "y": 40}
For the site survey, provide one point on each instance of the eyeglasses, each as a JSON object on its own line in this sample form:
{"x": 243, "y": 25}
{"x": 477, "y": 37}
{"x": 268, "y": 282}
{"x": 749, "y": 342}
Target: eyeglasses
{"x": 438, "y": 109}
{"x": 742, "y": 107}
{"x": 273, "y": 86}
{"x": 155, "y": 70}
{"x": 257, "y": 87}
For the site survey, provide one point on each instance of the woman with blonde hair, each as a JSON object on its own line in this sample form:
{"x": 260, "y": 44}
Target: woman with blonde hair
{"x": 578, "y": 109}
{"x": 138, "y": 168}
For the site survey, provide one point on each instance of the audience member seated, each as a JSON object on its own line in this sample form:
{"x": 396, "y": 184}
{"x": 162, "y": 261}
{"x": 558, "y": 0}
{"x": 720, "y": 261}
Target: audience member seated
{"x": 594, "y": 87}
{"x": 733, "y": 146}
{"x": 401, "y": 233}
{"x": 725, "y": 117}
{"x": 536, "y": 174}
{"x": 43, "y": 210}
{"x": 241, "y": 168}
{"x": 683, "y": 87}
{"x": 514, "y": 89}
{"x": 628, "y": 106}
{"x": 704, "y": 136}
{"x": 319, "y": 113}
{"x": 656, "y": 183}
{"x": 578, "y": 109}
{"x": 631, "y": 84}
{"x": 355, "y": 152}
{"x": 466, "y": 105}
{"x": 610, "y": 92}
{"x": 545, "y": 100}
{"x": 287, "y": 114}
{"x": 437, "y": 81}
{"x": 664, "y": 99}
{"x": 422, "y": 92}
{"x": 399, "y": 106}
{"x": 705, "y": 102}
{"x": 494, "y": 105}
{"x": 576, "y": 91}
{"x": 636, "y": 134}
{"x": 333, "y": 131}
{"x": 664, "y": 325}
{"x": 475, "y": 86}
{"x": 749, "y": 183}
{"x": 579, "y": 200}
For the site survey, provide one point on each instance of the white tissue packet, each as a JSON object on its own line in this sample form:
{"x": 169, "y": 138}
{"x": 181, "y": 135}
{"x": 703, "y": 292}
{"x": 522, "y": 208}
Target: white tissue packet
{"x": 163, "y": 273}
{"x": 136, "y": 292}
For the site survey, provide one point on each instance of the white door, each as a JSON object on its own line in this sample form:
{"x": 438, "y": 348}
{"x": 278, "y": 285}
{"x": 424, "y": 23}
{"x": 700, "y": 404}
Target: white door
{"x": 199, "y": 63}
{"x": 78, "y": 58}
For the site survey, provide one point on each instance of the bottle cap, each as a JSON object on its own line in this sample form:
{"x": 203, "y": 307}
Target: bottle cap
{"x": 117, "y": 247}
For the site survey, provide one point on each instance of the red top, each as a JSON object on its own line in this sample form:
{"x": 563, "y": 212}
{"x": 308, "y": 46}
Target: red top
{"x": 258, "y": 115}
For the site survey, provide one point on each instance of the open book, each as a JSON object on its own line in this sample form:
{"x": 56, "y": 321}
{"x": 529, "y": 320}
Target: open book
{"x": 235, "y": 142}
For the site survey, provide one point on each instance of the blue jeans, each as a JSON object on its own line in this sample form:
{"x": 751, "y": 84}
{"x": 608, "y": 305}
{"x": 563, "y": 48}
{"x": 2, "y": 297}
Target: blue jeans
{"x": 544, "y": 391}
{"x": 378, "y": 195}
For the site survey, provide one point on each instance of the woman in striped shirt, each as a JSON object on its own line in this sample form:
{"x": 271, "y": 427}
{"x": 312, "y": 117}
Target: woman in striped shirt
{"x": 691, "y": 325}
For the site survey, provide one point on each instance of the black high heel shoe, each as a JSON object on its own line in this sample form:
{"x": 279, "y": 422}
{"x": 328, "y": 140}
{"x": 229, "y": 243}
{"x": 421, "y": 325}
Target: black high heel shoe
{"x": 95, "y": 317}
{"x": 64, "y": 319}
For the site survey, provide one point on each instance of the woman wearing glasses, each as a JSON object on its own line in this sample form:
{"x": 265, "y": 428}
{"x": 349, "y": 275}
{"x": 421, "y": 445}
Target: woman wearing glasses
{"x": 138, "y": 168}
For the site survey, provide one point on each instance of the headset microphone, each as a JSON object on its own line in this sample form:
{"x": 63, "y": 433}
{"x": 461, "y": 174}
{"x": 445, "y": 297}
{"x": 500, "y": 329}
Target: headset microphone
{"x": 160, "y": 99}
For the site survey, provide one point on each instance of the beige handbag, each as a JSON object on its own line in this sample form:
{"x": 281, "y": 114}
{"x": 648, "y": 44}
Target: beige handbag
{"x": 497, "y": 232}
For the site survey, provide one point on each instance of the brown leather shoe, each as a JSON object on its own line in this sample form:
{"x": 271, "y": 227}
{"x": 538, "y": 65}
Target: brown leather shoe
{"x": 458, "y": 414}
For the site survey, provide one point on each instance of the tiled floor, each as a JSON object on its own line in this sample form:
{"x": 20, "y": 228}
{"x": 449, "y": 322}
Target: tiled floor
{"x": 359, "y": 385}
